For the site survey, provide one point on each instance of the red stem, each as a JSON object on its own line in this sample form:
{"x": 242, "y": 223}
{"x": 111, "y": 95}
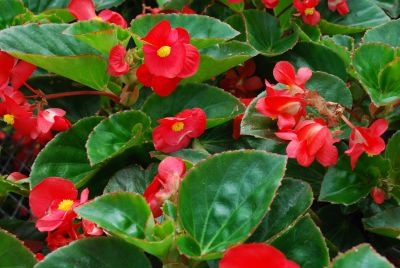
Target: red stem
{"x": 347, "y": 121}
{"x": 77, "y": 93}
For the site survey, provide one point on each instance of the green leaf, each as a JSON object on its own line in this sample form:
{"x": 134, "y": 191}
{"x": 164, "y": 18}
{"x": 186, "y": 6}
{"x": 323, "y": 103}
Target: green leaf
{"x": 304, "y": 244}
{"x": 322, "y": 59}
{"x": 172, "y": 4}
{"x": 218, "y": 105}
{"x": 363, "y": 15}
{"x": 363, "y": 256}
{"x": 46, "y": 47}
{"x": 99, "y": 252}
{"x": 256, "y": 124}
{"x": 9, "y": 9}
{"x": 386, "y": 223}
{"x": 265, "y": 35}
{"x": 128, "y": 216}
{"x": 77, "y": 107}
{"x": 238, "y": 7}
{"x": 100, "y": 35}
{"x": 204, "y": 31}
{"x": 119, "y": 133}
{"x": 342, "y": 185}
{"x": 132, "y": 179}
{"x": 13, "y": 253}
{"x": 7, "y": 186}
{"x": 369, "y": 62}
{"x": 293, "y": 199}
{"x": 65, "y": 155}
{"x": 390, "y": 6}
{"x": 389, "y": 86}
{"x": 220, "y": 58}
{"x": 392, "y": 151}
{"x": 190, "y": 156}
{"x": 38, "y": 6}
{"x": 331, "y": 88}
{"x": 223, "y": 198}
{"x": 386, "y": 33}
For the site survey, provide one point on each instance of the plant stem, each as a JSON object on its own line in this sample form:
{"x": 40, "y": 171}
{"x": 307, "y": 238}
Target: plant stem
{"x": 77, "y": 93}
{"x": 347, "y": 121}
{"x": 284, "y": 10}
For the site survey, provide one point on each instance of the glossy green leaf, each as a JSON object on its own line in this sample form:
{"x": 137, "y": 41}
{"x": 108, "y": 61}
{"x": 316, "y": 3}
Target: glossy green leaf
{"x": 218, "y": 105}
{"x": 293, "y": 199}
{"x": 117, "y": 134}
{"x": 38, "y": 6}
{"x": 342, "y": 185}
{"x": 223, "y": 198}
{"x": 100, "y": 35}
{"x": 389, "y": 86}
{"x": 237, "y": 22}
{"x": 392, "y": 151}
{"x": 363, "y": 15}
{"x": 7, "y": 186}
{"x": 304, "y": 244}
{"x": 256, "y": 124}
{"x": 322, "y": 59}
{"x": 13, "y": 253}
{"x": 99, "y": 252}
{"x": 369, "y": 62}
{"x": 362, "y": 256}
{"x": 265, "y": 35}
{"x": 172, "y": 4}
{"x": 386, "y": 223}
{"x": 204, "y": 31}
{"x": 343, "y": 47}
{"x": 238, "y": 7}
{"x": 8, "y": 10}
{"x": 331, "y": 88}
{"x": 65, "y": 155}
{"x": 220, "y": 58}
{"x": 128, "y": 216}
{"x": 390, "y": 6}
{"x": 132, "y": 179}
{"x": 46, "y": 46}
{"x": 387, "y": 33}
{"x": 188, "y": 155}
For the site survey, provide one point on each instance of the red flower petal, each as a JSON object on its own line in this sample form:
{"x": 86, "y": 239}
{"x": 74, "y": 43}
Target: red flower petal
{"x": 82, "y": 9}
{"x": 117, "y": 65}
{"x": 191, "y": 63}
{"x": 171, "y": 167}
{"x": 284, "y": 73}
{"x": 21, "y": 72}
{"x": 161, "y": 34}
{"x": 113, "y": 17}
{"x": 150, "y": 196}
{"x": 379, "y": 127}
{"x": 270, "y": 3}
{"x": 7, "y": 64}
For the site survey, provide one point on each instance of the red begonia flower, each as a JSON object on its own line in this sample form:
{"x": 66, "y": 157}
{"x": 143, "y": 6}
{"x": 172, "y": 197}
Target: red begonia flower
{"x": 339, "y": 5}
{"x": 187, "y": 10}
{"x": 243, "y": 83}
{"x": 168, "y": 52}
{"x": 52, "y": 119}
{"x": 309, "y": 140}
{"x": 13, "y": 94}
{"x": 285, "y": 73}
{"x": 270, "y": 3}
{"x": 14, "y": 71}
{"x": 91, "y": 228}
{"x": 117, "y": 65}
{"x": 63, "y": 236}
{"x": 16, "y": 176}
{"x": 52, "y": 201}
{"x": 175, "y": 133}
{"x": 368, "y": 140}
{"x": 307, "y": 11}
{"x": 39, "y": 257}
{"x": 255, "y": 256}
{"x": 84, "y": 10}
{"x": 378, "y": 195}
{"x": 165, "y": 184}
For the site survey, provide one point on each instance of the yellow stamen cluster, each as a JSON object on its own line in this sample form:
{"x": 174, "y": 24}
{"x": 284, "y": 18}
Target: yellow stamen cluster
{"x": 178, "y": 126}
{"x": 309, "y": 11}
{"x": 65, "y": 205}
{"x": 164, "y": 51}
{"x": 9, "y": 119}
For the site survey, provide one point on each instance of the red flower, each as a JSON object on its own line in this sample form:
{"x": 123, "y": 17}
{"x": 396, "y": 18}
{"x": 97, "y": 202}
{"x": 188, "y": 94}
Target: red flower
{"x": 52, "y": 119}
{"x": 339, "y": 5}
{"x": 161, "y": 85}
{"x": 243, "y": 83}
{"x": 39, "y": 256}
{"x": 270, "y": 3}
{"x": 117, "y": 65}
{"x": 278, "y": 104}
{"x": 307, "y": 11}
{"x": 285, "y": 73}
{"x": 63, "y": 236}
{"x": 368, "y": 140}
{"x": 309, "y": 140}
{"x": 187, "y": 10}
{"x": 175, "y": 133}
{"x": 84, "y": 10}
{"x": 16, "y": 176}
{"x": 14, "y": 71}
{"x": 165, "y": 184}
{"x": 378, "y": 195}
{"x": 52, "y": 201}
{"x": 255, "y": 256}
{"x": 91, "y": 228}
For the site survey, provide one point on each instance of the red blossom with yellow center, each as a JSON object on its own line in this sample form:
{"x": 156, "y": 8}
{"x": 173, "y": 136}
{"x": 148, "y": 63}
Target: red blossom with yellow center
{"x": 307, "y": 11}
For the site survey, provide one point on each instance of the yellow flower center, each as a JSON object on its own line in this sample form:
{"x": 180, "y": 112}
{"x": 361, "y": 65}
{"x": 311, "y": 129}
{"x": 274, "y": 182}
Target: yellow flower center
{"x": 65, "y": 205}
{"x": 178, "y": 126}
{"x": 9, "y": 119}
{"x": 309, "y": 11}
{"x": 164, "y": 51}
{"x": 97, "y": 18}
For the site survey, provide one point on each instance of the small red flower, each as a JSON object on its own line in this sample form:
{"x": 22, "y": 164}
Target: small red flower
{"x": 165, "y": 184}
{"x": 339, "y": 5}
{"x": 243, "y": 83}
{"x": 16, "y": 176}
{"x": 368, "y": 140}
{"x": 14, "y": 71}
{"x": 309, "y": 140}
{"x": 307, "y": 11}
{"x": 270, "y": 3}
{"x": 162, "y": 86}
{"x": 378, "y": 195}
{"x": 255, "y": 256}
{"x": 52, "y": 119}
{"x": 117, "y": 64}
{"x": 39, "y": 256}
{"x": 52, "y": 201}
{"x": 175, "y": 133}
{"x": 91, "y": 228}
{"x": 187, "y": 10}
{"x": 84, "y": 10}
{"x": 285, "y": 73}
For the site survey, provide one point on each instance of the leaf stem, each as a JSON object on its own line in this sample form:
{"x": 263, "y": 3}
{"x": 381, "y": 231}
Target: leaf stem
{"x": 347, "y": 121}
{"x": 78, "y": 93}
